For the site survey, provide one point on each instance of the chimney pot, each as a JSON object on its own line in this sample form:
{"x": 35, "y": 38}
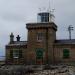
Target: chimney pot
{"x": 18, "y": 38}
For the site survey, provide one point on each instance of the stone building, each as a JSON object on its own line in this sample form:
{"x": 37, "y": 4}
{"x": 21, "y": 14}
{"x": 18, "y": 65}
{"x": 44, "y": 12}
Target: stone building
{"x": 42, "y": 47}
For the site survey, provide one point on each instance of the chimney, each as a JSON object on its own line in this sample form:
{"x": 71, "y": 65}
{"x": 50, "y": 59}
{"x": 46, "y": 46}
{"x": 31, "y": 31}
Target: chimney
{"x": 18, "y": 38}
{"x": 11, "y": 38}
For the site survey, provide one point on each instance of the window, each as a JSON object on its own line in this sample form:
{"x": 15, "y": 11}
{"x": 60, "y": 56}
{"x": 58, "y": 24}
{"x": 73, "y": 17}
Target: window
{"x": 11, "y": 54}
{"x": 45, "y": 17}
{"x": 17, "y": 53}
{"x": 66, "y": 53}
{"x": 40, "y": 37}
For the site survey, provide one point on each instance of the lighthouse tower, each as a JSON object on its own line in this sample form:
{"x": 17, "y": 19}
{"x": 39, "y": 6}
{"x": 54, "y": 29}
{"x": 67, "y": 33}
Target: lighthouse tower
{"x": 41, "y": 37}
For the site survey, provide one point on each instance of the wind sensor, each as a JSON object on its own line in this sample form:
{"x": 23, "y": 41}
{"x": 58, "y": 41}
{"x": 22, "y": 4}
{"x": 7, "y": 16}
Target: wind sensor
{"x": 70, "y": 28}
{"x": 46, "y": 16}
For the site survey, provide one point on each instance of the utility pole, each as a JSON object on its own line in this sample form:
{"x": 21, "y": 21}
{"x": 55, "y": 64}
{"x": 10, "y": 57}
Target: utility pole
{"x": 70, "y": 28}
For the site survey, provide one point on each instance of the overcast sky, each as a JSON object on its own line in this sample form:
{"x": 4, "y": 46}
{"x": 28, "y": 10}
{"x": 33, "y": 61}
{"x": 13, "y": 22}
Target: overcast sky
{"x": 14, "y": 14}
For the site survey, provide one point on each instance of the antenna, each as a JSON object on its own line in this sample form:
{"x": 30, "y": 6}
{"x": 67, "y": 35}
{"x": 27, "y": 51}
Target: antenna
{"x": 49, "y": 6}
{"x": 70, "y": 28}
{"x": 42, "y": 9}
{"x": 51, "y": 15}
{"x": 39, "y": 9}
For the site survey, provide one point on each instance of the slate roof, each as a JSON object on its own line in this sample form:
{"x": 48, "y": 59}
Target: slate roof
{"x": 18, "y": 43}
{"x": 65, "y": 41}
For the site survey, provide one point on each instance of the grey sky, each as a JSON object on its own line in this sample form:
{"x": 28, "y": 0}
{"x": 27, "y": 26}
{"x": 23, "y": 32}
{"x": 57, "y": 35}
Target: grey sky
{"x": 14, "y": 14}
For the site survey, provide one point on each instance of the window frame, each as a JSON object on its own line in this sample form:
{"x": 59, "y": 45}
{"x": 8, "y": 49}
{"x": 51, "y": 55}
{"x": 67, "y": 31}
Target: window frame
{"x": 40, "y": 36}
{"x": 18, "y": 53}
{"x": 45, "y": 17}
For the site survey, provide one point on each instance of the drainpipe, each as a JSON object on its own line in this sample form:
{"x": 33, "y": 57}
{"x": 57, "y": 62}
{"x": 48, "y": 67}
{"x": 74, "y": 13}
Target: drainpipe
{"x": 47, "y": 62}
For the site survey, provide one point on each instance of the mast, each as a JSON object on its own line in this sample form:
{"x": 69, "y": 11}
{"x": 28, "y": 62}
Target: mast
{"x": 51, "y": 15}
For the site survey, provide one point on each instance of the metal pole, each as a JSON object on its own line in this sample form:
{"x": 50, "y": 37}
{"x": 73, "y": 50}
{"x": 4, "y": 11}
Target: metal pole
{"x": 69, "y": 34}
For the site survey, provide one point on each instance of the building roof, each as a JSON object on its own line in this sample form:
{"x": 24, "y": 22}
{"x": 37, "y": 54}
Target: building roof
{"x": 17, "y": 43}
{"x": 65, "y": 41}
{"x": 41, "y": 25}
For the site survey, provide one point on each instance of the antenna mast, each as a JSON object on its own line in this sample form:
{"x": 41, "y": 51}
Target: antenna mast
{"x": 49, "y": 6}
{"x": 51, "y": 15}
{"x": 49, "y": 11}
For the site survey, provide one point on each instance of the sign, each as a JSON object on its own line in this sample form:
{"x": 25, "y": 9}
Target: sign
{"x": 66, "y": 53}
{"x": 39, "y": 53}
